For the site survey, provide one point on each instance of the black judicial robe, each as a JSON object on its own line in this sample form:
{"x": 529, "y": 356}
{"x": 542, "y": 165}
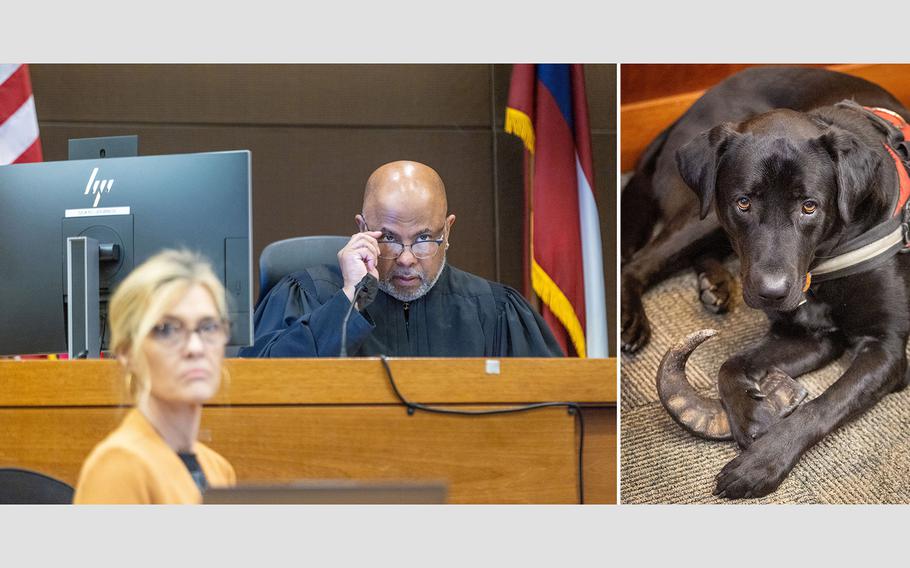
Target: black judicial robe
{"x": 461, "y": 316}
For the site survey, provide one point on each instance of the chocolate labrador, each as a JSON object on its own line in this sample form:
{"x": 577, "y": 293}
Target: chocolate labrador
{"x": 798, "y": 171}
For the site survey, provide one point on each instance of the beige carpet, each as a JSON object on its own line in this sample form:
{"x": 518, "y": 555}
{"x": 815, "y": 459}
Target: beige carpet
{"x": 866, "y": 461}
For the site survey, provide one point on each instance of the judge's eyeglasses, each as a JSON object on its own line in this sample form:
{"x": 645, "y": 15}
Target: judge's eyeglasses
{"x": 423, "y": 248}
{"x": 176, "y": 334}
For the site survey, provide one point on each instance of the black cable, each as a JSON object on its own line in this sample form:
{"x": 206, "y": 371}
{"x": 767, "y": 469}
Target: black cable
{"x": 103, "y": 330}
{"x": 573, "y": 407}
{"x": 364, "y": 294}
{"x": 344, "y": 327}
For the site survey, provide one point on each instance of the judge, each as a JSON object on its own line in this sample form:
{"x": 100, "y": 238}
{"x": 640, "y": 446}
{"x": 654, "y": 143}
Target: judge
{"x": 424, "y": 307}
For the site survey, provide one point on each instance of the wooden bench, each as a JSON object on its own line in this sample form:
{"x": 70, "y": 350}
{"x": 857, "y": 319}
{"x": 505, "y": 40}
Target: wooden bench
{"x": 292, "y": 419}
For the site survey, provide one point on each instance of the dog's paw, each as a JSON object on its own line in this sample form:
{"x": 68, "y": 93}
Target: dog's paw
{"x": 758, "y": 470}
{"x": 715, "y": 290}
{"x": 781, "y": 391}
{"x": 754, "y": 406}
{"x": 636, "y": 331}
{"x": 902, "y": 384}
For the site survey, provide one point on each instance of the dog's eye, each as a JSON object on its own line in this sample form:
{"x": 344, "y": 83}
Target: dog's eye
{"x": 743, "y": 203}
{"x": 809, "y": 207}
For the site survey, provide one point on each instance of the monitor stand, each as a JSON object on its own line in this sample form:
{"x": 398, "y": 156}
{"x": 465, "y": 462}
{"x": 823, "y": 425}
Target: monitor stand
{"x": 83, "y": 334}
{"x": 84, "y": 256}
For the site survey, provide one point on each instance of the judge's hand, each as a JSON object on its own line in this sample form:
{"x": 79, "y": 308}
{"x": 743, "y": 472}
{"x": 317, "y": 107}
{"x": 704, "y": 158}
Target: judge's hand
{"x": 358, "y": 258}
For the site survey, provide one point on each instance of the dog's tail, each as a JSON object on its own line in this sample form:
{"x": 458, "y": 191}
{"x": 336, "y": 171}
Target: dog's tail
{"x": 700, "y": 415}
{"x": 637, "y": 206}
{"x": 705, "y": 417}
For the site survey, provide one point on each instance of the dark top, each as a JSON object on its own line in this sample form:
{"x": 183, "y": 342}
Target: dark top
{"x": 192, "y": 464}
{"x": 461, "y": 316}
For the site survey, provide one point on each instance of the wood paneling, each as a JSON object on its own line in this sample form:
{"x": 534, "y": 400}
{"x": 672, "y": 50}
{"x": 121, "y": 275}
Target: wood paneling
{"x": 600, "y": 455}
{"x": 604, "y": 146}
{"x": 534, "y": 451}
{"x": 502, "y": 75}
{"x": 358, "y": 95}
{"x": 511, "y": 196}
{"x": 894, "y": 78}
{"x": 528, "y": 457}
{"x": 645, "y": 119}
{"x": 282, "y": 420}
{"x": 329, "y": 381}
{"x": 600, "y": 84}
{"x": 601, "y": 88}
{"x": 643, "y": 82}
{"x": 53, "y": 441}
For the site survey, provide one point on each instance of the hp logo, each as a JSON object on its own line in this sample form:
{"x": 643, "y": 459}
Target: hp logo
{"x": 97, "y": 187}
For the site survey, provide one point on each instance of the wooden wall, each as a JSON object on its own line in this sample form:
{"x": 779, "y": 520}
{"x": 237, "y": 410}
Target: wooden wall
{"x": 643, "y": 82}
{"x": 316, "y": 132}
{"x": 653, "y": 96}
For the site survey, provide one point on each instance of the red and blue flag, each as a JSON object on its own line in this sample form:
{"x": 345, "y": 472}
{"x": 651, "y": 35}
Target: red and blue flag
{"x": 548, "y": 110}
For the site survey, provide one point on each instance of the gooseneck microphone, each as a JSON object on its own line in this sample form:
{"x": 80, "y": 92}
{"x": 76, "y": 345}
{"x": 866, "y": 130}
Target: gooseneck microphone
{"x": 364, "y": 294}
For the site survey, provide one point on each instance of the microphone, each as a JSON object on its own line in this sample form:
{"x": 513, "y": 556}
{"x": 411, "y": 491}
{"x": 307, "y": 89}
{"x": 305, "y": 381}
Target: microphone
{"x": 364, "y": 293}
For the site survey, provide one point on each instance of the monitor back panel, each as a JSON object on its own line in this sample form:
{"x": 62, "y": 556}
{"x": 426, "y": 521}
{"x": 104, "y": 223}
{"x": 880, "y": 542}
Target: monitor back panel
{"x": 201, "y": 202}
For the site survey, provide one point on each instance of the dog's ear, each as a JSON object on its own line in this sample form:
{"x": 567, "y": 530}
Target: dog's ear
{"x": 698, "y": 159}
{"x": 857, "y": 168}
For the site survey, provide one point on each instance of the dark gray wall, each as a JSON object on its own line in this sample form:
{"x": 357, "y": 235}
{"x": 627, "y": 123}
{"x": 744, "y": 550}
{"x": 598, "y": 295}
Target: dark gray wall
{"x": 317, "y": 131}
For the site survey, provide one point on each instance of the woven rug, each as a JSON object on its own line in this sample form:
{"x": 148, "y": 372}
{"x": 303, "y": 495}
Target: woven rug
{"x": 865, "y": 461}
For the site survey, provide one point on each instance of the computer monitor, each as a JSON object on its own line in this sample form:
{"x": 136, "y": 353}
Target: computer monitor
{"x": 142, "y": 205}
{"x": 103, "y": 147}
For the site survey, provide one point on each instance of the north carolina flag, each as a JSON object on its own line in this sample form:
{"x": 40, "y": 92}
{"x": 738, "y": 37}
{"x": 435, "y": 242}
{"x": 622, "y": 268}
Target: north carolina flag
{"x": 19, "y": 140}
{"x": 548, "y": 110}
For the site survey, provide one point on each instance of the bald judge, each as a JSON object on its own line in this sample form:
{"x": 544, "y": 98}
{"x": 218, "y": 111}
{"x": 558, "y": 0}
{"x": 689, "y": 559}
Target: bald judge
{"x": 423, "y": 308}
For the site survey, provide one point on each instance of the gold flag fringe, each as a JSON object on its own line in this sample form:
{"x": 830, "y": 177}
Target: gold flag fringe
{"x": 553, "y": 297}
{"x": 519, "y": 124}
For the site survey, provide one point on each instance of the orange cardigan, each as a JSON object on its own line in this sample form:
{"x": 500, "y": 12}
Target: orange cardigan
{"x": 135, "y": 465}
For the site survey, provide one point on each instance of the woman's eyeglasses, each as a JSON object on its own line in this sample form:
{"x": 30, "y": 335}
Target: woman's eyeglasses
{"x": 176, "y": 334}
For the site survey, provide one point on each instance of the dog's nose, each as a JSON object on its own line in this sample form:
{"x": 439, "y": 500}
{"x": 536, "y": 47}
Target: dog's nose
{"x": 773, "y": 288}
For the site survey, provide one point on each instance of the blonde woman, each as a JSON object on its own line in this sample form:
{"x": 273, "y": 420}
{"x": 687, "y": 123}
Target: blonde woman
{"x": 168, "y": 330}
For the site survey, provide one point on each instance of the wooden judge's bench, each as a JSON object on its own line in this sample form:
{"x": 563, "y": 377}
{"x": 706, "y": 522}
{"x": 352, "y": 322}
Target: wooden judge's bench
{"x": 280, "y": 420}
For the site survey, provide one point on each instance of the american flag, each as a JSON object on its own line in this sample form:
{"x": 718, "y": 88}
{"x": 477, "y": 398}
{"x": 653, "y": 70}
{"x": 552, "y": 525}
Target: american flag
{"x": 19, "y": 140}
